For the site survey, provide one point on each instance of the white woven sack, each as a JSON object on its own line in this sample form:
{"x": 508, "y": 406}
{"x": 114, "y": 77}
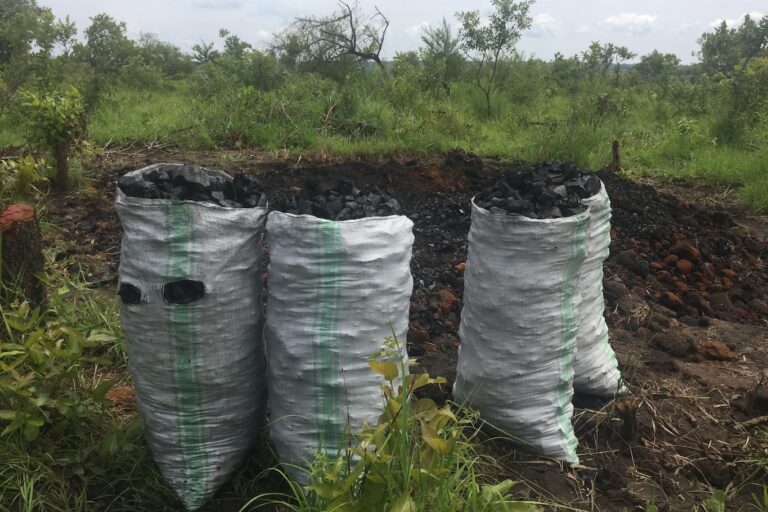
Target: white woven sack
{"x": 336, "y": 292}
{"x": 198, "y": 368}
{"x": 596, "y": 370}
{"x": 519, "y": 324}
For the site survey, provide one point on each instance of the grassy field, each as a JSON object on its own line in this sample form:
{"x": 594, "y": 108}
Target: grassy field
{"x": 313, "y": 115}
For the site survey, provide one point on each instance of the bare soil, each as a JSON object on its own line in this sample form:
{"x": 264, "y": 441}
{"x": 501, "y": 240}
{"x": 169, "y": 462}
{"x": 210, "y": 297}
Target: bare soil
{"x": 686, "y": 290}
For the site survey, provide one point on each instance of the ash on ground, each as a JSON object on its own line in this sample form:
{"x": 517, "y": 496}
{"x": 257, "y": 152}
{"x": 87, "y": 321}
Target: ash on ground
{"x": 194, "y": 183}
{"x": 343, "y": 201}
{"x": 550, "y": 190}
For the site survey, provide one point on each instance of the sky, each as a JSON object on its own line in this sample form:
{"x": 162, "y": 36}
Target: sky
{"x": 565, "y": 26}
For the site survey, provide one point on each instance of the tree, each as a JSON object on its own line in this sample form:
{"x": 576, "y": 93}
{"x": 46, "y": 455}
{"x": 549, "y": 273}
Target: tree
{"x": 29, "y": 35}
{"x": 487, "y": 43}
{"x": 164, "y": 56}
{"x": 657, "y": 67}
{"x": 203, "y": 52}
{"x": 339, "y": 36}
{"x": 441, "y": 56}
{"x": 107, "y": 48}
{"x": 723, "y": 49}
{"x": 55, "y": 122}
{"x": 598, "y": 59}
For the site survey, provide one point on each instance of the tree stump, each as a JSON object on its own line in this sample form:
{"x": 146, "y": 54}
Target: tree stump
{"x": 21, "y": 255}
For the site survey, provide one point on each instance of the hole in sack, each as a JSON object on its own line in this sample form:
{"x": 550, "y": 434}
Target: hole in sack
{"x": 183, "y": 292}
{"x": 129, "y": 293}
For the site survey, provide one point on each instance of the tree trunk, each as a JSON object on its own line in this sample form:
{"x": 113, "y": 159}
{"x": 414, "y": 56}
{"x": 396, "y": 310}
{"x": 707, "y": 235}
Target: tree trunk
{"x": 488, "y": 101}
{"x": 61, "y": 155}
{"x": 21, "y": 255}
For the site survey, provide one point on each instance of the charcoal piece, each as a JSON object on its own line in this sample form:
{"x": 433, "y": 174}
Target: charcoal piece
{"x": 344, "y": 201}
{"x": 546, "y": 190}
{"x": 192, "y": 183}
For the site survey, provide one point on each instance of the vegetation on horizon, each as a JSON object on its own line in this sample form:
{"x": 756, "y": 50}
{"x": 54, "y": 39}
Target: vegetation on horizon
{"x": 322, "y": 86}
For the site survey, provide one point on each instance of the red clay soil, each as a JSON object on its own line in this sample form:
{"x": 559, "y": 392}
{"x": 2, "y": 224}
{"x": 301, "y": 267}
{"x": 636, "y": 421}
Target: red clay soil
{"x": 686, "y": 290}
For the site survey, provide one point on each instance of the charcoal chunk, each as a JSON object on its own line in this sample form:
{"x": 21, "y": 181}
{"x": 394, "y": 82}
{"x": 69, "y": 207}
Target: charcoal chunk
{"x": 193, "y": 183}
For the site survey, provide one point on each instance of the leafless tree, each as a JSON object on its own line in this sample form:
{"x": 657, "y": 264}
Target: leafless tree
{"x": 343, "y": 34}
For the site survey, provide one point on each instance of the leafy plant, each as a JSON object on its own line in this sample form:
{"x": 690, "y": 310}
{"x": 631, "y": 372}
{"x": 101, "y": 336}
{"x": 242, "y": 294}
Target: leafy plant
{"x": 39, "y": 362}
{"x": 19, "y": 177}
{"x": 418, "y": 457}
{"x": 55, "y": 122}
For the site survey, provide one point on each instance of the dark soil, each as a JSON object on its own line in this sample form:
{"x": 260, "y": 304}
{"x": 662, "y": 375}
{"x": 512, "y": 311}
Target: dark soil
{"x": 686, "y": 290}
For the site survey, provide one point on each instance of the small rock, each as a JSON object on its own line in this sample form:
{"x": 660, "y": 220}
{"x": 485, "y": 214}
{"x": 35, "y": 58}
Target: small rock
{"x": 675, "y": 343}
{"x": 461, "y": 266}
{"x": 720, "y": 302}
{"x": 446, "y": 300}
{"x": 728, "y": 273}
{"x": 694, "y": 299}
{"x": 631, "y": 261}
{"x": 614, "y": 290}
{"x": 715, "y": 350}
{"x": 671, "y": 300}
{"x": 685, "y": 249}
{"x": 417, "y": 334}
{"x": 684, "y": 266}
{"x": 671, "y": 259}
{"x": 759, "y": 306}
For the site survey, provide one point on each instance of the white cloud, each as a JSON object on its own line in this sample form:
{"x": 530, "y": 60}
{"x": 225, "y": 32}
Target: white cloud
{"x": 224, "y": 5}
{"x": 583, "y": 29}
{"x": 415, "y": 30}
{"x": 545, "y": 25}
{"x": 632, "y": 22}
{"x": 735, "y": 22}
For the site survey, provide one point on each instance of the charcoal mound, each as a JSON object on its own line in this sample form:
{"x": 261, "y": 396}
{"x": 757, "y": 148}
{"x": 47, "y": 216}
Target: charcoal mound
{"x": 343, "y": 201}
{"x": 549, "y": 190}
{"x": 194, "y": 183}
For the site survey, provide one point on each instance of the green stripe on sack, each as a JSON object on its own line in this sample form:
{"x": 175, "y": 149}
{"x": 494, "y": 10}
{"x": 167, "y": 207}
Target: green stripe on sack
{"x": 325, "y": 353}
{"x": 180, "y": 265}
{"x": 568, "y": 342}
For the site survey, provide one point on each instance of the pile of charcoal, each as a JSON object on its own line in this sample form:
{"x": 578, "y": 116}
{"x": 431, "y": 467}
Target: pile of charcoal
{"x": 193, "y": 183}
{"x": 550, "y": 190}
{"x": 342, "y": 202}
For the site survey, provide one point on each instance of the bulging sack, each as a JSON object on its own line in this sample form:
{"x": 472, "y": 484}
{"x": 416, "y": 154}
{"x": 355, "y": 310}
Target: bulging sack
{"x": 336, "y": 292}
{"x": 519, "y": 325}
{"x": 596, "y": 370}
{"x": 192, "y": 314}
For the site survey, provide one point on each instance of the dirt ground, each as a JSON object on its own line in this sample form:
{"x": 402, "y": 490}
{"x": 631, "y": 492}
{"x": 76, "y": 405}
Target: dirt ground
{"x": 686, "y": 290}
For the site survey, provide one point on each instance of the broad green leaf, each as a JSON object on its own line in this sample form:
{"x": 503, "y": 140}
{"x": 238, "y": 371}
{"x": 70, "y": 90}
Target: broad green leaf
{"x": 7, "y": 415}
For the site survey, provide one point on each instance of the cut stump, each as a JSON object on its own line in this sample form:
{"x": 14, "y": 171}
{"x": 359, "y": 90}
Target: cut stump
{"x": 21, "y": 255}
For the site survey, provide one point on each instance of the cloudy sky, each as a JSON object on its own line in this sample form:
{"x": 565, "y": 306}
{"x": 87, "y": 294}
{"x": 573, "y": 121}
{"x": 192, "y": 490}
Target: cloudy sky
{"x": 566, "y": 26}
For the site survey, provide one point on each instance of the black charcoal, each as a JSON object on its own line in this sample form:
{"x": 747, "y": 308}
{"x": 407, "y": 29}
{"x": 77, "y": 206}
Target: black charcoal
{"x": 550, "y": 190}
{"x": 343, "y": 201}
{"x": 193, "y": 183}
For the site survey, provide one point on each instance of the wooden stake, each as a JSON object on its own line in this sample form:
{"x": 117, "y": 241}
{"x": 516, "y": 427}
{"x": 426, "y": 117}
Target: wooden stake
{"x": 616, "y": 164}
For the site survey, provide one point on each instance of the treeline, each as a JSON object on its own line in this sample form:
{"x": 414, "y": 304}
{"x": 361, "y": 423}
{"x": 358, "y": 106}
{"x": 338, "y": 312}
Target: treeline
{"x": 322, "y": 83}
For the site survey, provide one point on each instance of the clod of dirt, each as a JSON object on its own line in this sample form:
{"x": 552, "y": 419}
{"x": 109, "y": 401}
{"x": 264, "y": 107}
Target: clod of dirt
{"x": 342, "y": 202}
{"x": 193, "y": 183}
{"x": 674, "y": 343}
{"x": 715, "y": 350}
{"x": 550, "y": 190}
